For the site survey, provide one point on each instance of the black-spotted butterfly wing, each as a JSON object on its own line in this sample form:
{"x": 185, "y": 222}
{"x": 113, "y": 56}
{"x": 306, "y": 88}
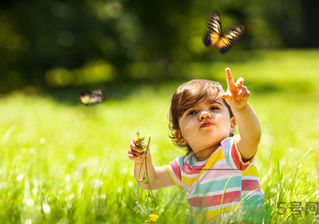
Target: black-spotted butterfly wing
{"x": 226, "y": 41}
{"x": 94, "y": 97}
{"x": 215, "y": 37}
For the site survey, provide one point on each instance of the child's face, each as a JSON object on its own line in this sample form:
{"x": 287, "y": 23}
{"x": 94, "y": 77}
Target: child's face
{"x": 206, "y": 124}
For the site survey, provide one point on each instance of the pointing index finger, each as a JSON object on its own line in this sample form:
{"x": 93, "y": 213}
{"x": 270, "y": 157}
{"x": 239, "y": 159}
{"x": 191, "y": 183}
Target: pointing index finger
{"x": 230, "y": 79}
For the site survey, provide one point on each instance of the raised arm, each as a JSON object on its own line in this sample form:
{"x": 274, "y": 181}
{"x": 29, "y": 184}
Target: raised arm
{"x": 248, "y": 124}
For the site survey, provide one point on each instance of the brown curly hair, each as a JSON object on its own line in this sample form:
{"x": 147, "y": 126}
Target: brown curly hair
{"x": 186, "y": 96}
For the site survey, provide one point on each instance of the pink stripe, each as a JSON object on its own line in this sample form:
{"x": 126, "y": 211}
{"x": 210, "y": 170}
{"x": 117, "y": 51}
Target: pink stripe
{"x": 250, "y": 185}
{"x": 192, "y": 170}
{"x": 221, "y": 170}
{"x": 176, "y": 169}
{"x": 215, "y": 199}
{"x": 236, "y": 158}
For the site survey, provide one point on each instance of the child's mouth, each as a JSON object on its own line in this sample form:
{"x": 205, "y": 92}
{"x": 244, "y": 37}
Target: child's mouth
{"x": 206, "y": 124}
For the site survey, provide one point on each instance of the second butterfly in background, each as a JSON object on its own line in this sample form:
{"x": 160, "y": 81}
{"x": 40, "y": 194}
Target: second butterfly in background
{"x": 94, "y": 97}
{"x": 215, "y": 36}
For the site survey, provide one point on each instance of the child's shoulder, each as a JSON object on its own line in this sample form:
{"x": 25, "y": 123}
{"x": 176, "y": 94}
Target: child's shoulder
{"x": 187, "y": 158}
{"x": 229, "y": 139}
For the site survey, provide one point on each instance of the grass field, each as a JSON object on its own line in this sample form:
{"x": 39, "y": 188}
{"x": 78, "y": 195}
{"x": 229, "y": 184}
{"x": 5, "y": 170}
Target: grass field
{"x": 62, "y": 162}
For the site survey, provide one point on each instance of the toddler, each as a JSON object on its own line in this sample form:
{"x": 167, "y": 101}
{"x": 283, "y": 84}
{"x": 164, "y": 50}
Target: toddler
{"x": 202, "y": 120}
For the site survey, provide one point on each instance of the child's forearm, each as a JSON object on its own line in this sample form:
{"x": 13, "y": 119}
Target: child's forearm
{"x": 249, "y": 131}
{"x": 151, "y": 172}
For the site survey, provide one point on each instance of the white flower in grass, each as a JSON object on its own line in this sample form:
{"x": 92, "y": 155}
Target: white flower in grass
{"x": 42, "y": 141}
{"x": 96, "y": 183}
{"x": 71, "y": 156}
{"x": 71, "y": 196}
{"x": 46, "y": 208}
{"x": 35, "y": 190}
{"x": 20, "y": 176}
{"x": 103, "y": 196}
{"x": 29, "y": 202}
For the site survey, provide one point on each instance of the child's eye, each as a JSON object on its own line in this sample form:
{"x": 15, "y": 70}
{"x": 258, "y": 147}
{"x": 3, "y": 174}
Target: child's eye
{"x": 192, "y": 112}
{"x": 214, "y": 108}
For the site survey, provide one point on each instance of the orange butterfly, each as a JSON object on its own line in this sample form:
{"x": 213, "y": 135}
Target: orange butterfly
{"x": 94, "y": 97}
{"x": 215, "y": 36}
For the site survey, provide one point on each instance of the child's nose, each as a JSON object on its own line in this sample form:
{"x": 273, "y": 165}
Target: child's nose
{"x": 204, "y": 115}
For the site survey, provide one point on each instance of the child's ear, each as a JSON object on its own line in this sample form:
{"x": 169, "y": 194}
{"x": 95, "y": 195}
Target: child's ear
{"x": 232, "y": 124}
{"x": 179, "y": 137}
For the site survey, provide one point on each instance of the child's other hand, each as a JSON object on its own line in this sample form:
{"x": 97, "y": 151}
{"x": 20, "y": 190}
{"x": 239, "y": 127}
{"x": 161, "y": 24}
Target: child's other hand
{"x": 135, "y": 153}
{"x": 237, "y": 94}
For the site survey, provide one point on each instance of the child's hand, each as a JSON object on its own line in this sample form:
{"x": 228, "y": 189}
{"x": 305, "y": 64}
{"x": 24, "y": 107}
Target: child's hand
{"x": 135, "y": 153}
{"x": 237, "y": 94}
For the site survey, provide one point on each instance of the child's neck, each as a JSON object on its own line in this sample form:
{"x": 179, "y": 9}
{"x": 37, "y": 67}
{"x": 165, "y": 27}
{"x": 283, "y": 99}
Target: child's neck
{"x": 205, "y": 153}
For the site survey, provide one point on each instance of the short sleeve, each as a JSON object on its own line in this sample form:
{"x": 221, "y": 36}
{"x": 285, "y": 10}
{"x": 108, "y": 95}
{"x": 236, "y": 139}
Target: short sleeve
{"x": 175, "y": 170}
{"x": 232, "y": 155}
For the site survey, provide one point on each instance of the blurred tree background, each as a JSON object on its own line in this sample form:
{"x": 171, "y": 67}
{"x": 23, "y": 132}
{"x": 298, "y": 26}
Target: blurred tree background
{"x": 50, "y": 44}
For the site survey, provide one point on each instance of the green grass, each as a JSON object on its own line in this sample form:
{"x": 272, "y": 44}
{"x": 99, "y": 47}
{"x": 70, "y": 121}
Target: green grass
{"x": 62, "y": 162}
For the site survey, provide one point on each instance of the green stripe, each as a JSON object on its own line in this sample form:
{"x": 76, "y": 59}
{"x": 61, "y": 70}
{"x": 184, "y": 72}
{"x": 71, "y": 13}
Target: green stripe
{"x": 217, "y": 185}
{"x": 252, "y": 199}
{"x": 227, "y": 153}
{"x": 181, "y": 162}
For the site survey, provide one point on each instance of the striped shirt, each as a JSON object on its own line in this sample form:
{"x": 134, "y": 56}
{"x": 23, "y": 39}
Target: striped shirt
{"x": 205, "y": 181}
